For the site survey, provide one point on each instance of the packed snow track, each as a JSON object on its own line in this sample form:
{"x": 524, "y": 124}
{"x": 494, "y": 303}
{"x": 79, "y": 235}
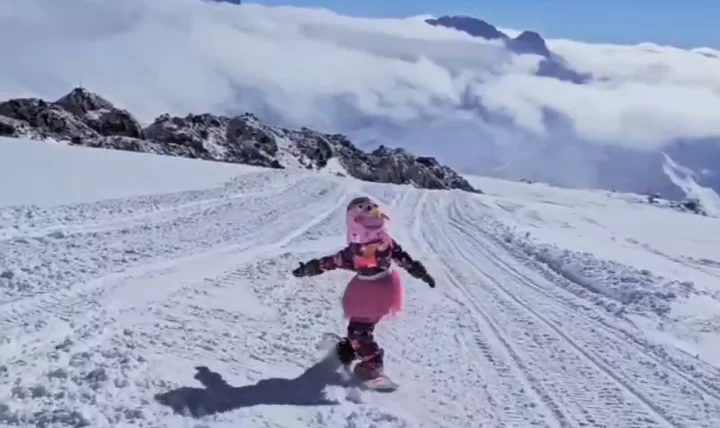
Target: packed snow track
{"x": 178, "y": 309}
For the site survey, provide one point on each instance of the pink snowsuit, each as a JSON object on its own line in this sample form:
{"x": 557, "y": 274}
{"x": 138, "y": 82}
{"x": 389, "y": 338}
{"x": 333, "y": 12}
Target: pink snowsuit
{"x": 375, "y": 291}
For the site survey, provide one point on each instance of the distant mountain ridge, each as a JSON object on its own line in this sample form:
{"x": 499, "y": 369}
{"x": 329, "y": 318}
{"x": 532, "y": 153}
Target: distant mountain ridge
{"x": 527, "y": 42}
{"x": 643, "y": 169}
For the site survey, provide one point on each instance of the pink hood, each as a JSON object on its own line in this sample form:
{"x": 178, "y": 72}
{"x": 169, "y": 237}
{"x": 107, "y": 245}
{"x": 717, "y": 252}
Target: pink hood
{"x": 366, "y": 222}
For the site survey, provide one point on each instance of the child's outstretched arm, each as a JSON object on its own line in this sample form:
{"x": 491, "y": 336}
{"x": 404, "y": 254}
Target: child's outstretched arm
{"x": 414, "y": 267}
{"x": 339, "y": 260}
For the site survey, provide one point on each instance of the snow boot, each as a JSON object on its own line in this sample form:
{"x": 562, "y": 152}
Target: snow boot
{"x": 345, "y": 352}
{"x": 371, "y": 366}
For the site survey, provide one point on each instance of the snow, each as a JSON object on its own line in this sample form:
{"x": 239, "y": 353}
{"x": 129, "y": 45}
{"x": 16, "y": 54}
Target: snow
{"x": 55, "y": 174}
{"x": 141, "y": 284}
{"x": 334, "y": 166}
{"x": 684, "y": 178}
{"x": 622, "y": 247}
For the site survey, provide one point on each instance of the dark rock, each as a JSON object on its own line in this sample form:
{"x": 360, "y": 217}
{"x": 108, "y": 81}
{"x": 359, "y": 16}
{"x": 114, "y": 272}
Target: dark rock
{"x": 317, "y": 148}
{"x": 86, "y": 119}
{"x": 14, "y": 128}
{"x": 194, "y": 134}
{"x": 80, "y": 114}
{"x": 81, "y": 102}
{"x": 692, "y": 205}
{"x": 48, "y": 119}
{"x": 8, "y": 127}
{"x": 100, "y": 114}
{"x": 24, "y": 109}
{"x": 247, "y": 132}
{"x": 397, "y": 166}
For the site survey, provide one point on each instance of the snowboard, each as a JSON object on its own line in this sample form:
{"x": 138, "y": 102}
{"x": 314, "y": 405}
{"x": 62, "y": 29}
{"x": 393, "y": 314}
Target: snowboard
{"x": 382, "y": 383}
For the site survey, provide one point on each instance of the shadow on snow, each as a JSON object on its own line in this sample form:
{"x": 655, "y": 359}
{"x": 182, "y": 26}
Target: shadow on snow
{"x": 218, "y": 396}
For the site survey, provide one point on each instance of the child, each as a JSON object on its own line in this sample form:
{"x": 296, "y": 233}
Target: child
{"x": 376, "y": 290}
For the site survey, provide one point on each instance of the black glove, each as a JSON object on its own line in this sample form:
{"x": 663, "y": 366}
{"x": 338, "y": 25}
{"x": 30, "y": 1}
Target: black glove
{"x": 417, "y": 270}
{"x": 307, "y": 269}
{"x": 429, "y": 280}
{"x": 299, "y": 271}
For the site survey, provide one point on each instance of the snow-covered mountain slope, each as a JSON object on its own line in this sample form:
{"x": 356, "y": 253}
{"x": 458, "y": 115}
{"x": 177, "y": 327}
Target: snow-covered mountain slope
{"x": 576, "y": 114}
{"x": 173, "y": 300}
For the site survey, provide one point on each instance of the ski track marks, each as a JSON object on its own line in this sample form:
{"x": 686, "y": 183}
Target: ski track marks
{"x": 588, "y": 376}
{"x": 565, "y": 292}
{"x": 113, "y": 302}
{"x": 22, "y": 222}
{"x": 493, "y": 380}
{"x": 216, "y": 291}
{"x": 56, "y": 327}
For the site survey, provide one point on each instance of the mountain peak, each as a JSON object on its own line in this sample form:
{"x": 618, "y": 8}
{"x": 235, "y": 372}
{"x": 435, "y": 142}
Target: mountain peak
{"x": 470, "y": 25}
{"x": 529, "y": 42}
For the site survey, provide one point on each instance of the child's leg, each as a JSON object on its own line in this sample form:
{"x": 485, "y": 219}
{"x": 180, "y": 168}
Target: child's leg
{"x": 360, "y": 334}
{"x": 345, "y": 352}
{"x": 358, "y": 343}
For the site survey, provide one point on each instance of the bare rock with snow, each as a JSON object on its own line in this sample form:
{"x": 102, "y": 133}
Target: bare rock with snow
{"x": 100, "y": 114}
{"x": 49, "y": 120}
{"x": 85, "y": 118}
{"x": 14, "y": 128}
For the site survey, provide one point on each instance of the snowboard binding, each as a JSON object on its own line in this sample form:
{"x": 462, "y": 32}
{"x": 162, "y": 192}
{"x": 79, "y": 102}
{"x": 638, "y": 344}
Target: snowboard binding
{"x": 369, "y": 367}
{"x": 345, "y": 351}
{"x": 369, "y": 377}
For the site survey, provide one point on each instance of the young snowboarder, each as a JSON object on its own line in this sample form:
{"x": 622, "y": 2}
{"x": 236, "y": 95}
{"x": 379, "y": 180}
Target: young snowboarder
{"x": 375, "y": 291}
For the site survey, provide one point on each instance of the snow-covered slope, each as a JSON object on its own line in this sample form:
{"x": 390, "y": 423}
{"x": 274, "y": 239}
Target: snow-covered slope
{"x": 623, "y": 253}
{"x": 53, "y": 174}
{"x": 115, "y": 312}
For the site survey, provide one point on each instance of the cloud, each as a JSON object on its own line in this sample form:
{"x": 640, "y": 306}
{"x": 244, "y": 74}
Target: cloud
{"x": 400, "y": 79}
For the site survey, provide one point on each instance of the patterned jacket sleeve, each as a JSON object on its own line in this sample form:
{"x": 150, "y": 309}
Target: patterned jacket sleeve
{"x": 340, "y": 260}
{"x": 405, "y": 261}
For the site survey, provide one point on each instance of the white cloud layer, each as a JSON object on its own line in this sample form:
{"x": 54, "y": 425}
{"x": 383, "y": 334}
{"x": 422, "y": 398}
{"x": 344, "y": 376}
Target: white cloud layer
{"x": 407, "y": 79}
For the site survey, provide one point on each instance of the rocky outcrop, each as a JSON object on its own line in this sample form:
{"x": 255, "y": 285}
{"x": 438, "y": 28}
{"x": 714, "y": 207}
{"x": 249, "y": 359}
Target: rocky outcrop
{"x": 100, "y": 115}
{"x": 78, "y": 116}
{"x": 690, "y": 204}
{"x": 85, "y": 118}
{"x": 398, "y": 166}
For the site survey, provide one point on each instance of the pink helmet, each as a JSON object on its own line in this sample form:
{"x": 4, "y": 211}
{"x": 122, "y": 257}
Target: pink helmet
{"x": 366, "y": 222}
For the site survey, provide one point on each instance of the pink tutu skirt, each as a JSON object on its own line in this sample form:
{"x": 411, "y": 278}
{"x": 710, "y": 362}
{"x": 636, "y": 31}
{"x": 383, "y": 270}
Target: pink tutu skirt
{"x": 372, "y": 300}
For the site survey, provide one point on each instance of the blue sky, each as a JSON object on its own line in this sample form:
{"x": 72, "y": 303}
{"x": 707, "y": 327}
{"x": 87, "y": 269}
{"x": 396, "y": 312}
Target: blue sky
{"x": 687, "y": 24}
